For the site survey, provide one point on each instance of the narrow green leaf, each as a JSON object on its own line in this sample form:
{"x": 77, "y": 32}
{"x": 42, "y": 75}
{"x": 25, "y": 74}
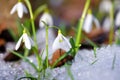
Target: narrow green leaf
{"x": 12, "y": 34}
{"x": 113, "y": 63}
{"x": 39, "y": 10}
{"x": 72, "y": 42}
{"x": 94, "y": 62}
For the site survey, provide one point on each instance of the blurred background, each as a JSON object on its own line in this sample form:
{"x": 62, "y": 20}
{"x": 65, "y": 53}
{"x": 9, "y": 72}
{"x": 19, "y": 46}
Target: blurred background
{"x": 68, "y": 11}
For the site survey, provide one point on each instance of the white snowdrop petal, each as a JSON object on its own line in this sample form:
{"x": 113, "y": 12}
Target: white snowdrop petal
{"x": 87, "y": 27}
{"x": 117, "y": 20}
{"x": 64, "y": 44}
{"x": 43, "y": 55}
{"x": 20, "y": 10}
{"x": 41, "y": 24}
{"x": 67, "y": 41}
{"x": 18, "y": 43}
{"x": 106, "y": 24}
{"x": 105, "y": 6}
{"x": 43, "y": 18}
{"x": 47, "y": 18}
{"x": 56, "y": 44}
{"x": 31, "y": 41}
{"x": 50, "y": 54}
{"x": 13, "y": 9}
{"x": 97, "y": 24}
{"x": 24, "y": 8}
{"x": 26, "y": 41}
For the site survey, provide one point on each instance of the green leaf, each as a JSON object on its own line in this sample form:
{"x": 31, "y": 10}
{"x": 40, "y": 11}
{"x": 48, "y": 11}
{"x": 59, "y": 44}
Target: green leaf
{"x": 19, "y": 28}
{"x": 72, "y": 42}
{"x": 12, "y": 34}
{"x": 39, "y": 10}
{"x": 113, "y": 63}
{"x": 94, "y": 62}
{"x": 27, "y": 78}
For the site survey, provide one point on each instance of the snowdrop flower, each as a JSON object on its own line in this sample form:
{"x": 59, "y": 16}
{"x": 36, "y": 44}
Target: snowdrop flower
{"x": 117, "y": 20}
{"x": 20, "y": 8}
{"x": 105, "y": 6}
{"x": 47, "y": 18}
{"x": 87, "y": 27}
{"x": 61, "y": 42}
{"x": 26, "y": 39}
{"x": 106, "y": 24}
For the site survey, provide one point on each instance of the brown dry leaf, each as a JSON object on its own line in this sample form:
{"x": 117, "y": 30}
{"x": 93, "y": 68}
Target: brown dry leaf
{"x": 2, "y": 42}
{"x": 57, "y": 54}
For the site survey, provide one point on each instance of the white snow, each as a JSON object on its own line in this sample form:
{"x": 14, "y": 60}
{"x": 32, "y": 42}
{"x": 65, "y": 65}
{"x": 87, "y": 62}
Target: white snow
{"x": 106, "y": 66}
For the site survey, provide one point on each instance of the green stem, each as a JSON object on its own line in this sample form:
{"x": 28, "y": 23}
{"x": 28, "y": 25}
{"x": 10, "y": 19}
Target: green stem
{"x": 80, "y": 24}
{"x": 55, "y": 27}
{"x": 46, "y": 28}
{"x": 95, "y": 52}
{"x": 34, "y": 32}
{"x": 26, "y": 53}
{"x": 112, "y": 24}
{"x": 31, "y": 18}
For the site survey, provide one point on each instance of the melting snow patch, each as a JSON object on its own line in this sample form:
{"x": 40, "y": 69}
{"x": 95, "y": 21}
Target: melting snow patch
{"x": 106, "y": 66}
{"x": 85, "y": 66}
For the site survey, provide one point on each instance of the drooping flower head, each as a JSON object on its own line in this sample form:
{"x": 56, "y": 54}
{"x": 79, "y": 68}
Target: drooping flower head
{"x": 87, "y": 27}
{"x": 105, "y": 6}
{"x": 20, "y": 8}
{"x": 47, "y": 18}
{"x": 106, "y": 23}
{"x": 26, "y": 40}
{"x": 61, "y": 42}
